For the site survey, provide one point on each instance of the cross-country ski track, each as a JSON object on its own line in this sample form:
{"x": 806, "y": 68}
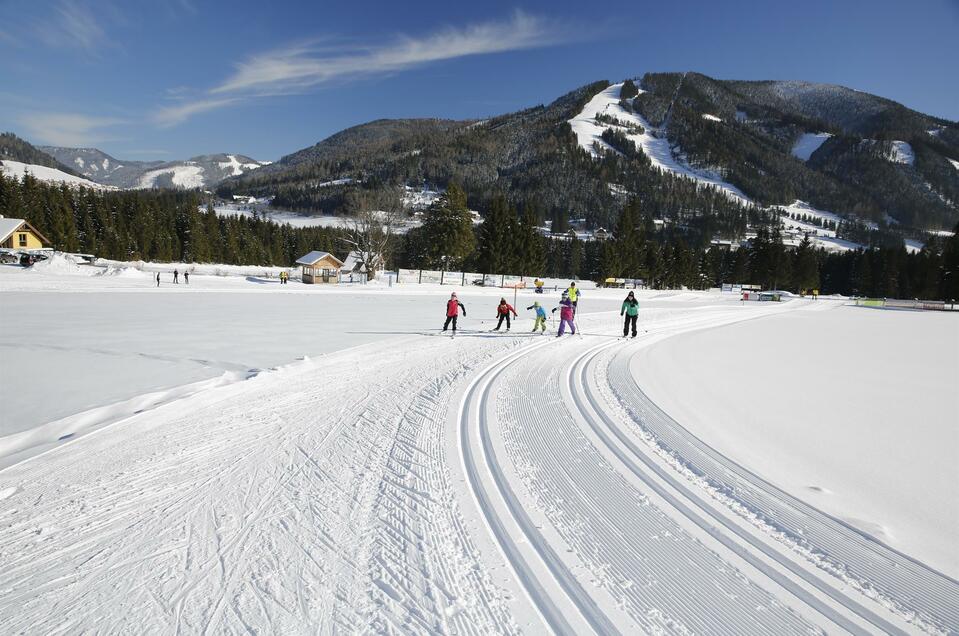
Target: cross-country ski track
{"x": 488, "y": 483}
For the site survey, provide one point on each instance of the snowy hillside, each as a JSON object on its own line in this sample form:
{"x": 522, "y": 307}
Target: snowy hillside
{"x": 260, "y": 474}
{"x": 588, "y": 132}
{"x": 17, "y": 169}
{"x": 809, "y": 143}
{"x": 203, "y": 171}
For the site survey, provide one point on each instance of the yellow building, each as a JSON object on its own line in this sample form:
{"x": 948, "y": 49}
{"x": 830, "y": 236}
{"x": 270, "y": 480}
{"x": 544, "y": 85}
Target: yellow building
{"x": 17, "y": 234}
{"x": 320, "y": 267}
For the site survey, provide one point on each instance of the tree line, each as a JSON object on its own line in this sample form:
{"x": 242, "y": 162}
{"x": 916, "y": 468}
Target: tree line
{"x": 156, "y": 225}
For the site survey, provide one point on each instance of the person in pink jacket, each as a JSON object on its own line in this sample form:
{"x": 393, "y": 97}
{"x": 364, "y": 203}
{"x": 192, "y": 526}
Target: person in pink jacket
{"x": 566, "y": 311}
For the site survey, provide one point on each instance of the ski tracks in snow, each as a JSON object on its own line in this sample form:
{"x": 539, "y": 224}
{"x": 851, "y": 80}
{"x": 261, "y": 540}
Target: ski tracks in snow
{"x": 430, "y": 485}
{"x": 307, "y": 500}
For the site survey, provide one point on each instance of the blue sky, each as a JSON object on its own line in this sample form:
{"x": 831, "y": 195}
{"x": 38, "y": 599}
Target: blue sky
{"x": 170, "y": 79}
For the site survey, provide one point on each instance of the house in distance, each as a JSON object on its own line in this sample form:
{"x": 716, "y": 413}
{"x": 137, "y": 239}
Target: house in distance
{"x": 320, "y": 267}
{"x": 17, "y": 234}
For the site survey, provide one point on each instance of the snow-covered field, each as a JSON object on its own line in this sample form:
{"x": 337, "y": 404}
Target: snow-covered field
{"x": 374, "y": 476}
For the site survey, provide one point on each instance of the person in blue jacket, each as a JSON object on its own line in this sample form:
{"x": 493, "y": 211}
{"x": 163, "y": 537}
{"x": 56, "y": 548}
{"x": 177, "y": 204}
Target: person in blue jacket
{"x": 540, "y": 317}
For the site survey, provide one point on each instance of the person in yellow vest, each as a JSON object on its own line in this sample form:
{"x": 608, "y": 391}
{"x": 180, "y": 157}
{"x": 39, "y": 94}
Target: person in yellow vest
{"x": 539, "y": 286}
{"x": 573, "y": 294}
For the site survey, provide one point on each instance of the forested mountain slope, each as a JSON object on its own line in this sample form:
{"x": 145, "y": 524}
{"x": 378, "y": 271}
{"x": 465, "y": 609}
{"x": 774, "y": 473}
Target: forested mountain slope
{"x": 873, "y": 158}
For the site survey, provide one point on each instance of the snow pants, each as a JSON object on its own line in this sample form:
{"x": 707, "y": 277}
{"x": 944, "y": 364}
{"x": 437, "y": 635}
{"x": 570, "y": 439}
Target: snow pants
{"x": 540, "y": 323}
{"x": 450, "y": 319}
{"x": 630, "y": 320}
{"x": 500, "y": 323}
{"x": 562, "y": 327}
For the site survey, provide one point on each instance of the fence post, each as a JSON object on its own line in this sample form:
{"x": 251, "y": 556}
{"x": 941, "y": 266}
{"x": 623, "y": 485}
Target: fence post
{"x": 442, "y": 275}
{"x": 502, "y": 280}
{"x": 420, "y": 280}
{"x": 463, "y": 280}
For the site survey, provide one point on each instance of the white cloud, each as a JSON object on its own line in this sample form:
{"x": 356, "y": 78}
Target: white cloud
{"x": 302, "y": 67}
{"x": 178, "y": 113}
{"x": 73, "y": 25}
{"x": 67, "y": 129}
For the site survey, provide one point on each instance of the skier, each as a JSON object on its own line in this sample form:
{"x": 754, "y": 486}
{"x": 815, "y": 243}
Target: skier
{"x": 539, "y": 286}
{"x": 176, "y": 275}
{"x": 503, "y": 310}
{"x": 453, "y": 306}
{"x": 631, "y": 309}
{"x": 186, "y": 277}
{"x": 573, "y": 294}
{"x": 158, "y": 279}
{"x": 566, "y": 314}
{"x": 540, "y": 317}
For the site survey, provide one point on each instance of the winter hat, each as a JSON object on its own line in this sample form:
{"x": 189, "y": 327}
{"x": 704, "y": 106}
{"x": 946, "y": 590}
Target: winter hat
{"x": 453, "y": 295}
{"x": 535, "y": 303}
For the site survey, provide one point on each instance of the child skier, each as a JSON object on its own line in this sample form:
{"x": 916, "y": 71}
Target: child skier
{"x": 631, "y": 309}
{"x": 565, "y": 316}
{"x": 540, "y": 317}
{"x": 503, "y": 311}
{"x": 453, "y": 306}
{"x": 573, "y": 293}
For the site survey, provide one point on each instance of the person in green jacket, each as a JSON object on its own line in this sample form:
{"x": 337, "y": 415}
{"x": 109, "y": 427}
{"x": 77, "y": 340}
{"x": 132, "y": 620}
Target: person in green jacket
{"x": 631, "y": 309}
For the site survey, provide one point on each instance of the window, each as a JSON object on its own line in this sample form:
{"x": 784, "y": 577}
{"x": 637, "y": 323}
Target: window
{"x": 23, "y": 239}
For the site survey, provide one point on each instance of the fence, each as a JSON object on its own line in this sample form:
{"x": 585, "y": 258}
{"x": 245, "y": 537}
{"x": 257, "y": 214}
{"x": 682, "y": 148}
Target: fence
{"x": 466, "y": 279}
{"x": 899, "y": 303}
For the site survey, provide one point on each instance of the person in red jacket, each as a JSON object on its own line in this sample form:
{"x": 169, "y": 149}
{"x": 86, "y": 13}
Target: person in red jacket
{"x": 503, "y": 310}
{"x": 453, "y": 306}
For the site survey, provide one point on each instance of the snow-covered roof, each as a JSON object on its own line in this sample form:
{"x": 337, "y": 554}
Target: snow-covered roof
{"x": 8, "y": 227}
{"x": 315, "y": 256}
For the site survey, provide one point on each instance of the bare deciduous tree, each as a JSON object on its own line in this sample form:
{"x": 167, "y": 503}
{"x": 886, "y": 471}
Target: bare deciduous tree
{"x": 372, "y": 228}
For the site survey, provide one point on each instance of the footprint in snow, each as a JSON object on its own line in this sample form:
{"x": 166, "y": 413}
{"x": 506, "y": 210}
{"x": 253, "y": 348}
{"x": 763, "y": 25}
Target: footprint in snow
{"x": 7, "y": 492}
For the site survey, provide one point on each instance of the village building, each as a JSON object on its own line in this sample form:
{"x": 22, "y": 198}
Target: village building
{"x": 320, "y": 267}
{"x": 17, "y": 234}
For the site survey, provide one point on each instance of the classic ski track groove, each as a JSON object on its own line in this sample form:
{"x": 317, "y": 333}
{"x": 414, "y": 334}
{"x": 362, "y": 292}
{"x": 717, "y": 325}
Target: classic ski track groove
{"x": 916, "y": 592}
{"x": 715, "y": 525}
{"x": 630, "y": 547}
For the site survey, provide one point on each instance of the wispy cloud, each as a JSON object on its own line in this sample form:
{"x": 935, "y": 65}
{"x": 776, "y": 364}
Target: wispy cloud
{"x": 73, "y": 25}
{"x": 68, "y": 129}
{"x": 302, "y": 67}
{"x": 178, "y": 113}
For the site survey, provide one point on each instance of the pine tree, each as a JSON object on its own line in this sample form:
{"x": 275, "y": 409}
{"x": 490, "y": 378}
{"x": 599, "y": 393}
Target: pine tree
{"x": 448, "y": 230}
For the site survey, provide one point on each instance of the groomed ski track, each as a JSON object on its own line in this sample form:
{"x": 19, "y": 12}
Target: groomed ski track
{"x": 492, "y": 483}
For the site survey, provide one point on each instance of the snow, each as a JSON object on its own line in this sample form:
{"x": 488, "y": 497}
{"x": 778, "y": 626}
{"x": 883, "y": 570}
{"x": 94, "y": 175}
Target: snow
{"x": 808, "y": 143}
{"x": 236, "y": 167}
{"x": 240, "y": 455}
{"x": 955, "y": 164}
{"x": 419, "y": 199}
{"x": 79, "y": 161}
{"x": 300, "y": 220}
{"x": 711, "y": 117}
{"x": 334, "y": 182}
{"x": 17, "y": 169}
{"x": 187, "y": 176}
{"x": 819, "y": 236}
{"x": 652, "y": 142}
{"x": 901, "y": 152}
{"x": 867, "y": 432}
{"x": 913, "y": 246}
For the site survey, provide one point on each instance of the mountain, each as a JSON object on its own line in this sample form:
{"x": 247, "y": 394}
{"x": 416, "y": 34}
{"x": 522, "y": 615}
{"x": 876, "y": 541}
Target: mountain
{"x": 15, "y": 149}
{"x": 19, "y": 158}
{"x": 204, "y": 171}
{"x": 700, "y": 151}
